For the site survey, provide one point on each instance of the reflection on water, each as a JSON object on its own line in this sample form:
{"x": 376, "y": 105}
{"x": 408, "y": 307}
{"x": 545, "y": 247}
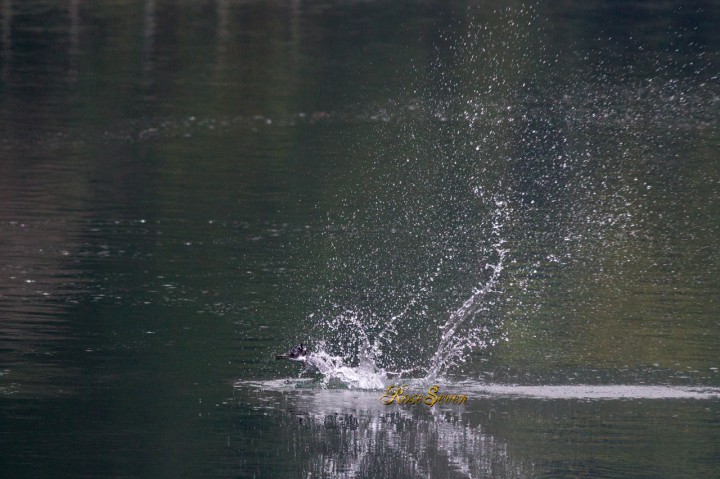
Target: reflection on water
{"x": 40, "y": 278}
{"x": 502, "y": 431}
{"x": 352, "y": 434}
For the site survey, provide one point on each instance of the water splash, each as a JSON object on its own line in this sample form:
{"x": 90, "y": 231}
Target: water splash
{"x": 368, "y": 345}
{"x": 454, "y": 346}
{"x": 507, "y": 144}
{"x": 336, "y": 374}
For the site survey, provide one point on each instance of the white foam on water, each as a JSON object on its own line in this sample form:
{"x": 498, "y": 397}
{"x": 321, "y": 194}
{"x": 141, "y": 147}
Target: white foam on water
{"x": 336, "y": 373}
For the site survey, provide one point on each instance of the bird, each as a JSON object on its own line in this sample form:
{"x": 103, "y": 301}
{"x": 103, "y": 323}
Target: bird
{"x": 296, "y": 353}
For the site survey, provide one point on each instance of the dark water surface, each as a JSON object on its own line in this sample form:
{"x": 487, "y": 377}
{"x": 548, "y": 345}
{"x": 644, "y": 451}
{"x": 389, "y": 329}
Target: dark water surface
{"x": 515, "y": 202}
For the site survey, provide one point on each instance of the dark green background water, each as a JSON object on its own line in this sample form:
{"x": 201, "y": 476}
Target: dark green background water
{"x": 188, "y": 188}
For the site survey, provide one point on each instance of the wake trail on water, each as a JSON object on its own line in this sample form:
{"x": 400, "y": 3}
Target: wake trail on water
{"x": 479, "y": 390}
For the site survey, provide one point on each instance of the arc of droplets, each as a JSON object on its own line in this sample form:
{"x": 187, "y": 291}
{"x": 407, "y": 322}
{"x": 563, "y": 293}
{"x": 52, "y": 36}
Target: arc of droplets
{"x": 451, "y": 348}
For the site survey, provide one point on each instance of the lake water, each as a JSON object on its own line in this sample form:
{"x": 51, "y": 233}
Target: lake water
{"x": 514, "y": 202}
